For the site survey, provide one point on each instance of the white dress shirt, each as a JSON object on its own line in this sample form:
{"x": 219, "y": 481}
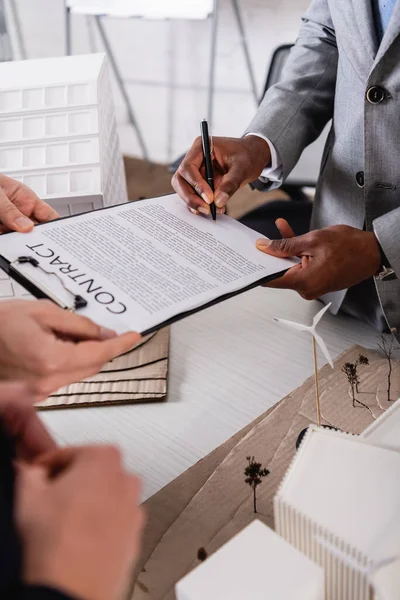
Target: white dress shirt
{"x": 272, "y": 173}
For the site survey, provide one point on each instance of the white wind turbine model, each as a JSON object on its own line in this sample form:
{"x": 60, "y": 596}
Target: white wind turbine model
{"x": 317, "y": 339}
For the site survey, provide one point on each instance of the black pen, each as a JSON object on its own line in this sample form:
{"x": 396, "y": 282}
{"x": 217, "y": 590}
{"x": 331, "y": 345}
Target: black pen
{"x": 205, "y": 138}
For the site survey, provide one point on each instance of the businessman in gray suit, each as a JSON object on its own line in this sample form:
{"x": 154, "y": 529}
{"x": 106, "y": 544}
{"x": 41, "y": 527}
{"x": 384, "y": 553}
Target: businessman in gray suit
{"x": 345, "y": 66}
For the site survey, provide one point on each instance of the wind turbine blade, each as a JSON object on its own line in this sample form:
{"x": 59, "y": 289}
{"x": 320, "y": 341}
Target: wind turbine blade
{"x": 293, "y": 325}
{"x": 320, "y": 314}
{"x": 323, "y": 347}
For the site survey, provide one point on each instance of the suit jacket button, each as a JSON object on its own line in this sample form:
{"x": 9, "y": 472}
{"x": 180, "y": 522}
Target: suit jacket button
{"x": 360, "y": 179}
{"x": 376, "y": 94}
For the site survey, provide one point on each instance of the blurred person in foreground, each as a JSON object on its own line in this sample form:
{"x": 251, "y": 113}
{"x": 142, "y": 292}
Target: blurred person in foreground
{"x": 70, "y": 523}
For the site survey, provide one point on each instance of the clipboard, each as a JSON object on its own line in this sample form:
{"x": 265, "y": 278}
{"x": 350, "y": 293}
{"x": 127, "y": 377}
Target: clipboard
{"x": 78, "y": 302}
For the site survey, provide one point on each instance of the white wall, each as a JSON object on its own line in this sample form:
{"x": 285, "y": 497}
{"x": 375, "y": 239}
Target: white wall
{"x": 170, "y": 100}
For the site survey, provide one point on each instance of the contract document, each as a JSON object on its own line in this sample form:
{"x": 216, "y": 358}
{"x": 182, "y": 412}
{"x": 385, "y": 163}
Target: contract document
{"x": 138, "y": 266}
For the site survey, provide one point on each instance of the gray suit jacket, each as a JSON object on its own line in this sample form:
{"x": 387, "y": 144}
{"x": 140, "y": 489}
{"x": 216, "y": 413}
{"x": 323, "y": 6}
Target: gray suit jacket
{"x": 335, "y": 61}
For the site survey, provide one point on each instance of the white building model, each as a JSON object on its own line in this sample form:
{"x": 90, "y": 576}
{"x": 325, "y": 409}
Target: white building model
{"x": 58, "y": 131}
{"x": 339, "y": 504}
{"x": 386, "y": 581}
{"x": 255, "y": 565}
{"x": 385, "y": 431}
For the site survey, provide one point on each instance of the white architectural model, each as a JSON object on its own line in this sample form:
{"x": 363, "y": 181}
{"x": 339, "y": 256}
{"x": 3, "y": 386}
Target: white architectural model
{"x": 339, "y": 503}
{"x": 317, "y": 339}
{"x": 58, "y": 131}
{"x": 256, "y": 564}
{"x": 386, "y": 581}
{"x": 385, "y": 431}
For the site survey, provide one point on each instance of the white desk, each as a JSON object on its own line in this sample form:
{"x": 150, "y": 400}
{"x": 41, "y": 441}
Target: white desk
{"x": 228, "y": 365}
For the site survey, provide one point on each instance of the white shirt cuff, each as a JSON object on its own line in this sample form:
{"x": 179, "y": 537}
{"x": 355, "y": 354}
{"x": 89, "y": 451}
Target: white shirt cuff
{"x": 274, "y": 172}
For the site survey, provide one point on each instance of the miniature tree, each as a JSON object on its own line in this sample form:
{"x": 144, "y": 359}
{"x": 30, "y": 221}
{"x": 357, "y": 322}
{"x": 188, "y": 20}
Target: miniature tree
{"x": 387, "y": 344}
{"x": 350, "y": 370}
{"x": 254, "y": 474}
{"x": 361, "y": 360}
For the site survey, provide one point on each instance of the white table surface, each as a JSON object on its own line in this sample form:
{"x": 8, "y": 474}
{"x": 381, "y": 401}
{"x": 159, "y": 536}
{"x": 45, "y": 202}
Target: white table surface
{"x": 228, "y": 364}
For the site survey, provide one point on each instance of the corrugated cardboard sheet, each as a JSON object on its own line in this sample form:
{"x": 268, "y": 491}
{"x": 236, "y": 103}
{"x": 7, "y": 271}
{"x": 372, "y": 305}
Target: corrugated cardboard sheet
{"x": 209, "y": 503}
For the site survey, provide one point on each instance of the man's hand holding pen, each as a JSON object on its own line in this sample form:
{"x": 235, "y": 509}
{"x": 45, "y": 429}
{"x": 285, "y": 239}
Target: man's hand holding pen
{"x": 332, "y": 258}
{"x": 235, "y": 162}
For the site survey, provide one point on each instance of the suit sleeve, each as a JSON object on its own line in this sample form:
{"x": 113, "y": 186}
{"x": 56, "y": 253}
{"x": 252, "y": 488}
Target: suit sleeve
{"x": 386, "y": 229}
{"x": 294, "y": 112}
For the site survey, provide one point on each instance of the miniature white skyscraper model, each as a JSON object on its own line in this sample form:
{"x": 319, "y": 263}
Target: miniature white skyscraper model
{"x": 58, "y": 131}
{"x": 339, "y": 504}
{"x": 386, "y": 581}
{"x": 385, "y": 431}
{"x": 58, "y": 135}
{"x": 255, "y": 565}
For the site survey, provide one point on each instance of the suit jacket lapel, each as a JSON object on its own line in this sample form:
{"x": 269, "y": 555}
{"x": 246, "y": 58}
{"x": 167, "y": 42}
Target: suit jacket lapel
{"x": 365, "y": 20}
{"x": 391, "y": 33}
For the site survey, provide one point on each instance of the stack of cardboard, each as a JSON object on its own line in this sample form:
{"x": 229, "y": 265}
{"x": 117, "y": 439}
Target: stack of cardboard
{"x": 137, "y": 376}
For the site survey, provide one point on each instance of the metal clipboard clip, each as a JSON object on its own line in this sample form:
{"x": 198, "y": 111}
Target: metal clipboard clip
{"x": 78, "y": 301}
